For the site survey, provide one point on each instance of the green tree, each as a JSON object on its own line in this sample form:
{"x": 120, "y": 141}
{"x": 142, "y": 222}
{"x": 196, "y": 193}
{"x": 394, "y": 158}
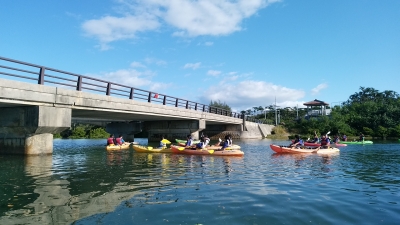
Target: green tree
{"x": 78, "y": 132}
{"x": 98, "y": 133}
{"x": 219, "y": 104}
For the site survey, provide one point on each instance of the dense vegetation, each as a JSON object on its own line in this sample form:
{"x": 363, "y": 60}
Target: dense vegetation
{"x": 373, "y": 113}
{"x": 219, "y": 104}
{"x": 83, "y": 131}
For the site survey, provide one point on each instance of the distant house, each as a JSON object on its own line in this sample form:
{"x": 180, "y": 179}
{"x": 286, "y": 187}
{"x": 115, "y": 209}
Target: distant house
{"x": 317, "y": 108}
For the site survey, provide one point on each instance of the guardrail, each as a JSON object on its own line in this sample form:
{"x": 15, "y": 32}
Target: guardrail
{"x": 44, "y": 75}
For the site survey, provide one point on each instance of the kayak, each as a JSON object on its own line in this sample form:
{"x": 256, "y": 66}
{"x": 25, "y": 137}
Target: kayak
{"x": 215, "y": 147}
{"x": 184, "y": 141}
{"x": 357, "y": 142}
{"x": 149, "y": 149}
{"x": 286, "y": 149}
{"x": 118, "y": 147}
{"x": 189, "y": 151}
{"x": 341, "y": 144}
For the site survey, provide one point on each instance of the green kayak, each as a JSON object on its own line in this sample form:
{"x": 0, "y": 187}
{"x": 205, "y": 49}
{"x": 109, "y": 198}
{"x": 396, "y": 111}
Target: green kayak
{"x": 184, "y": 141}
{"x": 356, "y": 142}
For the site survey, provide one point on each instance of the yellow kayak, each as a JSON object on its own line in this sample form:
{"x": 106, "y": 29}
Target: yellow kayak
{"x": 149, "y": 149}
{"x": 118, "y": 147}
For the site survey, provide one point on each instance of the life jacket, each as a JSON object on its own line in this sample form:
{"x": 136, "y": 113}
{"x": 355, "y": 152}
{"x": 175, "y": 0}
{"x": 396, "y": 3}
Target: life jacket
{"x": 324, "y": 141}
{"x": 110, "y": 141}
{"x": 300, "y": 141}
{"x": 162, "y": 144}
{"x": 189, "y": 142}
{"x": 200, "y": 145}
{"x": 118, "y": 140}
{"x": 206, "y": 141}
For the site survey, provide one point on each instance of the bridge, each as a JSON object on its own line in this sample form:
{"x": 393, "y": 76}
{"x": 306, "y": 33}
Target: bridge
{"x": 37, "y": 102}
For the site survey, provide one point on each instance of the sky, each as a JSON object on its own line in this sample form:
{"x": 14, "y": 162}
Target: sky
{"x": 245, "y": 53}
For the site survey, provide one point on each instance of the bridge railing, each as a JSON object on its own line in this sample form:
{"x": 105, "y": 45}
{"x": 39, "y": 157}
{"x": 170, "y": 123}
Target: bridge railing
{"x": 42, "y": 75}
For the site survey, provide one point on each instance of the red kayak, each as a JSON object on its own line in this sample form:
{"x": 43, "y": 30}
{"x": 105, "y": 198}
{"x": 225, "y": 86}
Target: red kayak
{"x": 286, "y": 149}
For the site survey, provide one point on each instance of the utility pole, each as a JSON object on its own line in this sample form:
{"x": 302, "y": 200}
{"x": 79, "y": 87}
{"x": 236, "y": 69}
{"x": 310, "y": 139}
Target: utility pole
{"x": 276, "y": 116}
{"x": 265, "y": 113}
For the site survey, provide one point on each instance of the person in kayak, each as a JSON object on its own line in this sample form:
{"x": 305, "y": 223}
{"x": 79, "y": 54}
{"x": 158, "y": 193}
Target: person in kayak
{"x": 120, "y": 140}
{"x": 188, "y": 141}
{"x": 230, "y": 142}
{"x": 361, "y": 137}
{"x": 316, "y": 139}
{"x": 336, "y": 139}
{"x": 344, "y": 137}
{"x": 204, "y": 140}
{"x": 162, "y": 143}
{"x": 225, "y": 144}
{"x": 111, "y": 140}
{"x": 298, "y": 142}
{"x": 324, "y": 142}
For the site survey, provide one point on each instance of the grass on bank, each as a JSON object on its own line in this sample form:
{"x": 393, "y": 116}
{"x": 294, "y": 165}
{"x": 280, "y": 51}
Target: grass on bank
{"x": 279, "y": 132}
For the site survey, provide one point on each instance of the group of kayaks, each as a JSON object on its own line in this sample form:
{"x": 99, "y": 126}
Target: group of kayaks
{"x": 180, "y": 148}
{"x": 233, "y": 150}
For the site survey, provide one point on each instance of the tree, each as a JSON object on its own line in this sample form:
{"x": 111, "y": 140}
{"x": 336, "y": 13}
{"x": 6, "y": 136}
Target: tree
{"x": 219, "y": 104}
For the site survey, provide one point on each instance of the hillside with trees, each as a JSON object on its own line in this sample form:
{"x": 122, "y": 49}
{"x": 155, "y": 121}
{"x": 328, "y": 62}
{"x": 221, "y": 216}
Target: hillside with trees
{"x": 374, "y": 113}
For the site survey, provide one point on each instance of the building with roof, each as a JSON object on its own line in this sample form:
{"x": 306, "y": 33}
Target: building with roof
{"x": 317, "y": 108}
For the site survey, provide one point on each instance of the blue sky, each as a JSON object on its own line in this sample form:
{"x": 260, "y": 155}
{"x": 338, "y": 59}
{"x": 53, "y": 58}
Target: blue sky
{"x": 242, "y": 52}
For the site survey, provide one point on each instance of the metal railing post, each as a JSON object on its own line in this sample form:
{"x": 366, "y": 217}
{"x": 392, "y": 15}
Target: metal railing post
{"x": 79, "y": 83}
{"x": 131, "y": 93}
{"x": 41, "y": 75}
{"x": 108, "y": 91}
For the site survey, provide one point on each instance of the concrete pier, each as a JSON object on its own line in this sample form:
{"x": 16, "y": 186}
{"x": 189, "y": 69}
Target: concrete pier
{"x": 29, "y": 129}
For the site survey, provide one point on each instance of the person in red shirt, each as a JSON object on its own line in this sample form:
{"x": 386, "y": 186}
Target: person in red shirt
{"x": 120, "y": 140}
{"x": 111, "y": 140}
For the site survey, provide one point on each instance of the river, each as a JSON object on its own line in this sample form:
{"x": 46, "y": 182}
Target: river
{"x": 82, "y": 183}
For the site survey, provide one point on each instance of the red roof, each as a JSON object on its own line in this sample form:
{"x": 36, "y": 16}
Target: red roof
{"x": 315, "y": 102}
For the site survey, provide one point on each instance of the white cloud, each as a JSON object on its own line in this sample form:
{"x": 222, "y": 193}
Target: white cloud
{"x": 109, "y": 28}
{"x": 246, "y": 94}
{"x": 193, "y": 66}
{"x": 317, "y": 89}
{"x": 214, "y": 73}
{"x": 137, "y": 65}
{"x": 135, "y": 78}
{"x": 188, "y": 18}
{"x": 208, "y": 43}
{"x": 130, "y": 77}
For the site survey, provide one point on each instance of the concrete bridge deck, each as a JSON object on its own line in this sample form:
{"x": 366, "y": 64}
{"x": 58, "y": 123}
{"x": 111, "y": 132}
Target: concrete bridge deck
{"x": 31, "y": 112}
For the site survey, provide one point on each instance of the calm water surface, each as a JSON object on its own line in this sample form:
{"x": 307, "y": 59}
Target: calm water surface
{"x": 82, "y": 183}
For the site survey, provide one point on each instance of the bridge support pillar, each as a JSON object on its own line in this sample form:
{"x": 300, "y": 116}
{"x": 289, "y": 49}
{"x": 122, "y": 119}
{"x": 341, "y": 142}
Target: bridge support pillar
{"x": 174, "y": 129}
{"x": 29, "y": 130}
{"x": 221, "y": 130}
{"x": 127, "y": 130}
